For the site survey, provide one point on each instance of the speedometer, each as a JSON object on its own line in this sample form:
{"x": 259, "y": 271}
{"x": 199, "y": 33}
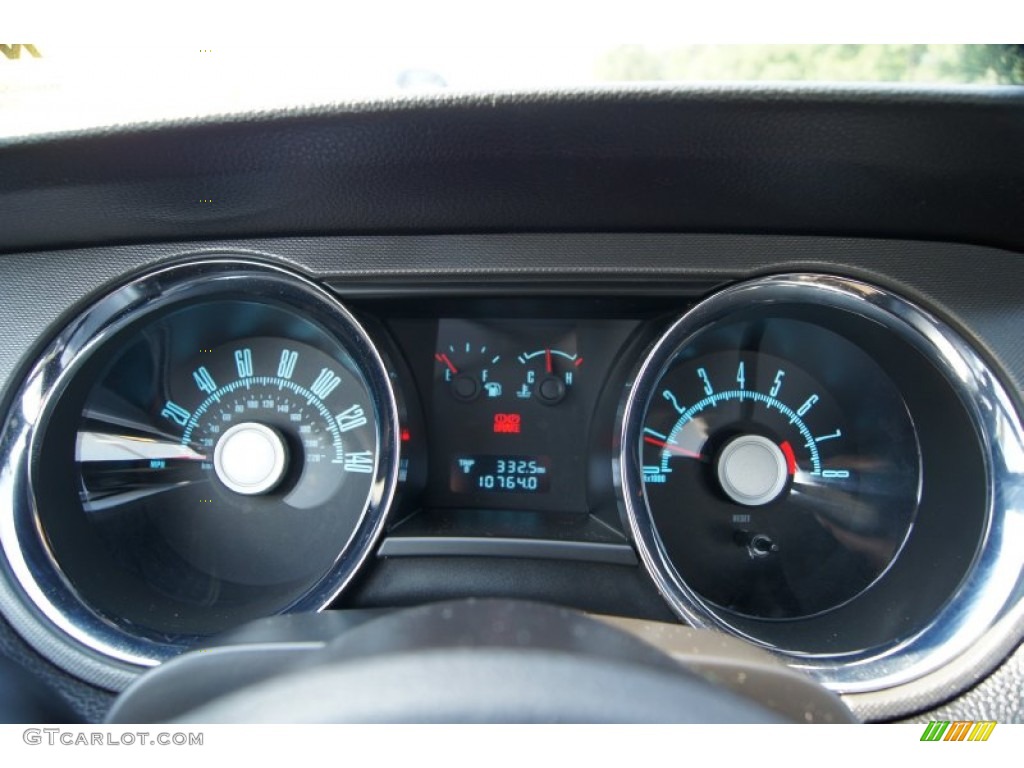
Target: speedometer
{"x": 245, "y": 442}
{"x": 226, "y": 433}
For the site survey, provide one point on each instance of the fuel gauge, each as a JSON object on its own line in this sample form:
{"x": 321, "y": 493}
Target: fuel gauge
{"x": 468, "y": 370}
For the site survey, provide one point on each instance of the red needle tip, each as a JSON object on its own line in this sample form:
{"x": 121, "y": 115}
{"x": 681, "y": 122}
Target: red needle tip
{"x": 672, "y": 448}
{"x": 444, "y": 359}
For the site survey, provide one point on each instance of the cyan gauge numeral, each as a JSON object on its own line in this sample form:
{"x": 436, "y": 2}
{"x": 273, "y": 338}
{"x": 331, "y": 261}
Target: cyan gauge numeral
{"x": 325, "y": 383}
{"x": 777, "y": 385}
{"x": 741, "y": 377}
{"x": 808, "y": 404}
{"x": 350, "y": 418}
{"x": 835, "y": 474}
{"x": 360, "y": 461}
{"x": 837, "y": 434}
{"x": 670, "y": 396}
{"x": 176, "y": 413}
{"x": 708, "y": 389}
{"x": 243, "y": 362}
{"x": 204, "y": 380}
{"x": 286, "y": 367}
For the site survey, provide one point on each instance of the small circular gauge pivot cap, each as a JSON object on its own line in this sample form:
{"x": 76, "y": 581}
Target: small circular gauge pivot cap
{"x": 551, "y": 390}
{"x": 752, "y": 470}
{"x": 250, "y": 458}
{"x": 465, "y": 387}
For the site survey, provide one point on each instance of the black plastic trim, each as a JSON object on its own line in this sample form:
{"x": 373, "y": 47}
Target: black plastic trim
{"x": 468, "y": 546}
{"x": 856, "y": 160}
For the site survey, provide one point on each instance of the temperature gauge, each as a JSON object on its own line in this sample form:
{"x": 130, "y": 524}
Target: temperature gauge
{"x": 549, "y": 374}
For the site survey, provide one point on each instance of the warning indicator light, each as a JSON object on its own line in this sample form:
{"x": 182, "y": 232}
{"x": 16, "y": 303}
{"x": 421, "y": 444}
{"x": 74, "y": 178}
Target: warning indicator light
{"x": 506, "y": 423}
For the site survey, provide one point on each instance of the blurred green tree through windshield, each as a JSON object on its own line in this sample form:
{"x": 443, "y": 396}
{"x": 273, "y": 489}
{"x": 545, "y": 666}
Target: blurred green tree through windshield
{"x": 991, "y": 64}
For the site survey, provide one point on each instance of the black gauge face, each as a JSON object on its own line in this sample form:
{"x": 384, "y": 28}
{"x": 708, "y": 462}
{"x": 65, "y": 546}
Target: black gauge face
{"x": 253, "y": 437}
{"x": 225, "y": 454}
{"x": 548, "y": 374}
{"x": 780, "y": 466}
{"x": 470, "y": 371}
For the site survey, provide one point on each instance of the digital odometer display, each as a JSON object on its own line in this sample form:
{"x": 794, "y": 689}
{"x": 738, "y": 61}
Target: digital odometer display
{"x": 510, "y": 405}
{"x": 501, "y": 474}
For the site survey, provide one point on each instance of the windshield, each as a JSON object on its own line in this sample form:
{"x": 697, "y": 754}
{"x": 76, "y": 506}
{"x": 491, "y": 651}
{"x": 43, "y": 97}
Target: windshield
{"x": 60, "y": 87}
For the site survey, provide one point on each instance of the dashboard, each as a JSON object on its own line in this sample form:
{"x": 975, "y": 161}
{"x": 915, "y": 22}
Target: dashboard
{"x": 792, "y": 428}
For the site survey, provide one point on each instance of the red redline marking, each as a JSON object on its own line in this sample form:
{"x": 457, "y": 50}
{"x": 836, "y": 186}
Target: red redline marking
{"x": 672, "y": 448}
{"x": 578, "y": 363}
{"x": 444, "y": 359}
{"x": 790, "y": 457}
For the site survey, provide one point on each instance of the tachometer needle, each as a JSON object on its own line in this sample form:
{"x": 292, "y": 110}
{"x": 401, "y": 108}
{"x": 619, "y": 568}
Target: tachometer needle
{"x": 673, "y": 448}
{"x": 547, "y": 359}
{"x": 443, "y": 358}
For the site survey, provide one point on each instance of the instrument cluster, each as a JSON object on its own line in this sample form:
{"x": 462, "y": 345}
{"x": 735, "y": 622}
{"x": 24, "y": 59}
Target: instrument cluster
{"x": 808, "y": 462}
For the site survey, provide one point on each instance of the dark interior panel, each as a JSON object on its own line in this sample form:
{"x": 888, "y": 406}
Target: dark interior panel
{"x": 939, "y": 164}
{"x": 606, "y": 213}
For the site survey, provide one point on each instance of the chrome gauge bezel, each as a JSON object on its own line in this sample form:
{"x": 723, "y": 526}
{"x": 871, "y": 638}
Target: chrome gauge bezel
{"x": 38, "y": 599}
{"x": 989, "y": 600}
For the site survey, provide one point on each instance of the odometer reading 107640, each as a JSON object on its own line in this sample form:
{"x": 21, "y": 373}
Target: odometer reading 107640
{"x": 502, "y": 474}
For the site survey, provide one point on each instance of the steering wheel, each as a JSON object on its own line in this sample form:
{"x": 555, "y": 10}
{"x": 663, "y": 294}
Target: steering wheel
{"x": 471, "y": 661}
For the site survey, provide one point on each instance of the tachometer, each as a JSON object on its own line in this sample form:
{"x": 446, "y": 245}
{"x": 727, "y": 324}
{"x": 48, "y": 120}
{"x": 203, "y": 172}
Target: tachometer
{"x": 777, "y": 495}
{"x": 818, "y": 465}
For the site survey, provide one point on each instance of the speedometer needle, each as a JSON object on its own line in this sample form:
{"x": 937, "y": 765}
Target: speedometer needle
{"x": 673, "y": 448}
